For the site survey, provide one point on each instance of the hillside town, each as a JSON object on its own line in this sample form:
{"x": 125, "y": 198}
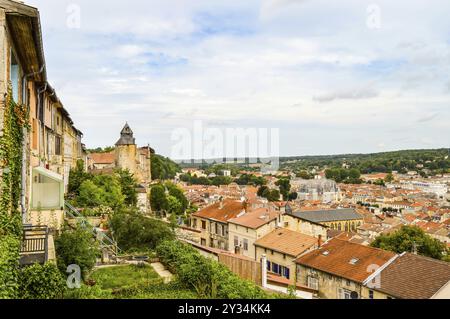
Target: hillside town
{"x": 138, "y": 225}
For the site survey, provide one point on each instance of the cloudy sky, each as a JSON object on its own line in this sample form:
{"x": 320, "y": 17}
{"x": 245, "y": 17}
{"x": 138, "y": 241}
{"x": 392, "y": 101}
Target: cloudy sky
{"x": 334, "y": 76}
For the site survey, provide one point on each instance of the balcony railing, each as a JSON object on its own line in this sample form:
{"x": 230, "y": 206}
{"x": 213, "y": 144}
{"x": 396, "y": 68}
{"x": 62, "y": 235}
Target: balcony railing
{"x": 34, "y": 246}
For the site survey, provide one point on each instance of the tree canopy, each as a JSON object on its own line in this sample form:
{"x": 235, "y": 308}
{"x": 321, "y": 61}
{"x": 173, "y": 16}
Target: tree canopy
{"x": 409, "y": 238}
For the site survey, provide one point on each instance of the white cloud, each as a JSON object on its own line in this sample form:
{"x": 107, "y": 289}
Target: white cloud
{"x": 161, "y": 64}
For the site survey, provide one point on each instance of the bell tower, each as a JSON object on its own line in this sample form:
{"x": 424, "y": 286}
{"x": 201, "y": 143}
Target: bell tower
{"x": 126, "y": 150}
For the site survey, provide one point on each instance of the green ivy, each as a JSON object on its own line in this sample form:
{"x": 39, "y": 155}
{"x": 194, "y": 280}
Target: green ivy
{"x": 41, "y": 282}
{"x": 9, "y": 266}
{"x": 15, "y": 120}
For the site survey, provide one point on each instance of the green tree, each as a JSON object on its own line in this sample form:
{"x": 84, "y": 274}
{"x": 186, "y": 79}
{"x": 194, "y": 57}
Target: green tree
{"x": 407, "y": 239}
{"x": 163, "y": 168}
{"x": 90, "y": 195}
{"x": 303, "y": 174}
{"x": 76, "y": 177}
{"x": 133, "y": 231}
{"x": 128, "y": 186}
{"x": 76, "y": 247}
{"x": 174, "y": 206}
{"x": 285, "y": 187}
{"x": 101, "y": 190}
{"x": 158, "y": 198}
{"x": 178, "y": 193}
{"x": 273, "y": 195}
{"x": 112, "y": 192}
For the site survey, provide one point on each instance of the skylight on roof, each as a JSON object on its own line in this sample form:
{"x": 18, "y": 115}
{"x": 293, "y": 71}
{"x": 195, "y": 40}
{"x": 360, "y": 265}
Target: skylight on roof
{"x": 326, "y": 253}
{"x": 354, "y": 261}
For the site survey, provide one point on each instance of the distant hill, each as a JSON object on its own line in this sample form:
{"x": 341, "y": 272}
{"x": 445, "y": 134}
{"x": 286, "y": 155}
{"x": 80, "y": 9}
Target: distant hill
{"x": 433, "y": 160}
{"x": 163, "y": 167}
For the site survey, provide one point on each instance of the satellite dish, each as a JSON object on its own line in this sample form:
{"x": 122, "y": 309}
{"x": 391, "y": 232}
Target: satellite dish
{"x": 354, "y": 295}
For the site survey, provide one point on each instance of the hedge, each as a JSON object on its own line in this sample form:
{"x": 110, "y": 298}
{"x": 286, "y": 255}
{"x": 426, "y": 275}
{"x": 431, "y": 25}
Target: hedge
{"x": 207, "y": 277}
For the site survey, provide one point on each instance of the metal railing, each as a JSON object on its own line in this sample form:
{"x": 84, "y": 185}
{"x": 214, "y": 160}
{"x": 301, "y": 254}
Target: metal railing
{"x": 104, "y": 240}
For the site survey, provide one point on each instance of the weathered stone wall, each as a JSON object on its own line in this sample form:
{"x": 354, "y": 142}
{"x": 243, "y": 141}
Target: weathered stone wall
{"x": 126, "y": 156}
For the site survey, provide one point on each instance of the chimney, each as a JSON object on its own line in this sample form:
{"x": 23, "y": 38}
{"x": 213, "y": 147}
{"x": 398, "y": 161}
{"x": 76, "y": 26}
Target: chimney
{"x": 221, "y": 203}
{"x": 264, "y": 271}
{"x": 319, "y": 241}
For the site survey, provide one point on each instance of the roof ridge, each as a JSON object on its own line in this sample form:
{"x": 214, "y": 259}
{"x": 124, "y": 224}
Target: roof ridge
{"x": 374, "y": 248}
{"x": 427, "y": 258}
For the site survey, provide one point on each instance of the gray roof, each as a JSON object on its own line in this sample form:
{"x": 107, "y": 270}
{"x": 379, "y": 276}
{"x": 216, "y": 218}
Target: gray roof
{"x": 323, "y": 216}
{"x": 126, "y": 136}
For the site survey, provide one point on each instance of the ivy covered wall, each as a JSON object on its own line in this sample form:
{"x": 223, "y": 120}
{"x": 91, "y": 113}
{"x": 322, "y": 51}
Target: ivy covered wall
{"x": 11, "y": 139}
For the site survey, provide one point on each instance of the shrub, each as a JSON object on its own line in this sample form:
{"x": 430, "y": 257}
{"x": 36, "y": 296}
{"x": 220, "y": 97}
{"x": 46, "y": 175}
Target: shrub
{"x": 41, "y": 282}
{"x": 209, "y": 278}
{"x": 132, "y": 230}
{"x": 76, "y": 247}
{"x": 9, "y": 265}
{"x": 88, "y": 292}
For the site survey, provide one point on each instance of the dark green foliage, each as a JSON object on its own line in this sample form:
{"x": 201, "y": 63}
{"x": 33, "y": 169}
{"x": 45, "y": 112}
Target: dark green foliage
{"x": 250, "y": 179}
{"x": 272, "y": 195}
{"x": 285, "y": 187}
{"x": 41, "y": 282}
{"x": 194, "y": 180}
{"x": 342, "y": 175}
{"x": 128, "y": 186}
{"x": 221, "y": 180}
{"x": 76, "y": 177}
{"x": 404, "y": 240}
{"x": 158, "y": 198}
{"x": 100, "y": 190}
{"x": 435, "y": 160}
{"x": 11, "y": 140}
{"x": 207, "y": 277}
{"x": 178, "y": 193}
{"x": 77, "y": 247}
{"x": 163, "y": 168}
{"x": 9, "y": 265}
{"x": 132, "y": 230}
{"x": 304, "y": 175}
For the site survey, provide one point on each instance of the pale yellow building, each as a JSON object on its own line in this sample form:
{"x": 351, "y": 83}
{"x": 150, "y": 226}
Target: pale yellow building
{"x": 281, "y": 248}
{"x": 245, "y": 230}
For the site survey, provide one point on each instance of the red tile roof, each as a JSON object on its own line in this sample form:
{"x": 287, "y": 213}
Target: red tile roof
{"x": 223, "y": 212}
{"x": 255, "y": 218}
{"x": 345, "y": 259}
{"x": 287, "y": 242}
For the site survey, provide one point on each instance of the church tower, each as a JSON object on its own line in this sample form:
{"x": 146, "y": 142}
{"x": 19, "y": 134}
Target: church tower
{"x": 126, "y": 150}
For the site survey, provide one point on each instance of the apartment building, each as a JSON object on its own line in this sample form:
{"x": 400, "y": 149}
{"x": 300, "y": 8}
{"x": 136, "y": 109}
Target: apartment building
{"x": 245, "y": 230}
{"x": 52, "y": 145}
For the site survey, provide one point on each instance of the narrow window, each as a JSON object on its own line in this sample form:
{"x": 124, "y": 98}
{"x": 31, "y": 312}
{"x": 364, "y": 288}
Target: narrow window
{"x": 14, "y": 77}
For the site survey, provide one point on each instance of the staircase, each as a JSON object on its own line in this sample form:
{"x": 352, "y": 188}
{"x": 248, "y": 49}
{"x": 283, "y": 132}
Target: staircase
{"x": 107, "y": 244}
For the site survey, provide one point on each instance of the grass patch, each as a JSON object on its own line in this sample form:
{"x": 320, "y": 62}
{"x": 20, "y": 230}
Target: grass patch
{"x": 128, "y": 276}
{"x": 131, "y": 282}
